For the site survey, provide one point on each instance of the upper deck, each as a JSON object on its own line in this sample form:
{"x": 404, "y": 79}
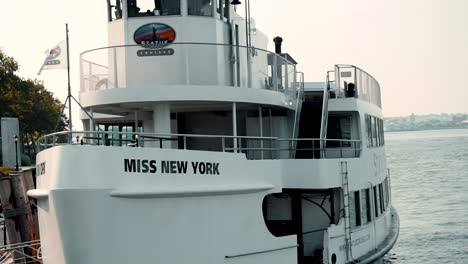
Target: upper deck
{"x": 214, "y": 89}
{"x": 200, "y": 64}
{"x": 180, "y": 50}
{"x": 353, "y": 82}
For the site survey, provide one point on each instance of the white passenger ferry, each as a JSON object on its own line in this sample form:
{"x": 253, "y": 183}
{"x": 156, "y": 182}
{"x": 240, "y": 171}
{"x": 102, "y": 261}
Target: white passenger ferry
{"x": 203, "y": 147}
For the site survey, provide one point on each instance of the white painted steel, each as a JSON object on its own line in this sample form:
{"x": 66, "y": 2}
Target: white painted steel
{"x": 100, "y": 204}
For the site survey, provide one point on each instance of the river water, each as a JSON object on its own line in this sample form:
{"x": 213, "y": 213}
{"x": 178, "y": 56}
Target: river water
{"x": 429, "y": 177}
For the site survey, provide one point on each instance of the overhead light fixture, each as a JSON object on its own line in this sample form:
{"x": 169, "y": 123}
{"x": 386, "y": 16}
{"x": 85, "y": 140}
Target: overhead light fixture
{"x": 235, "y": 2}
{"x": 289, "y": 102}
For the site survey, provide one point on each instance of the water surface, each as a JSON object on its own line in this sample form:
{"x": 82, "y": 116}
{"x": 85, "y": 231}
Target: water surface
{"x": 429, "y": 176}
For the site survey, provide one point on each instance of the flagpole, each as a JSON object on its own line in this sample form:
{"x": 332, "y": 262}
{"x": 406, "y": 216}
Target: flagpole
{"x": 70, "y": 126}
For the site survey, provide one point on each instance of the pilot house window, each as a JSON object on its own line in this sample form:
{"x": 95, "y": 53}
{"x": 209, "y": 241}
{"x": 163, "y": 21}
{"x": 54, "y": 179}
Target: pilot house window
{"x": 142, "y": 8}
{"x": 223, "y": 5}
{"x": 114, "y": 8}
{"x": 200, "y": 8}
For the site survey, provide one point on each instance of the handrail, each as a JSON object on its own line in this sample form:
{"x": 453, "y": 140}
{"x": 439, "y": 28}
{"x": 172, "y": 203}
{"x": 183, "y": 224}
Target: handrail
{"x": 297, "y": 116}
{"x": 299, "y": 101}
{"x": 17, "y": 253}
{"x": 191, "y": 135}
{"x": 353, "y": 66}
{"x": 260, "y": 252}
{"x": 318, "y": 148}
{"x": 94, "y": 63}
{"x": 187, "y": 43}
{"x": 324, "y": 123}
{"x": 322, "y": 139}
{"x": 108, "y": 76}
{"x": 366, "y": 87}
{"x": 180, "y": 44}
{"x": 152, "y": 134}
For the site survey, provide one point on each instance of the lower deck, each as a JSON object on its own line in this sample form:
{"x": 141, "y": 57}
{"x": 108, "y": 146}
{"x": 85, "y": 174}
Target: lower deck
{"x": 219, "y": 206}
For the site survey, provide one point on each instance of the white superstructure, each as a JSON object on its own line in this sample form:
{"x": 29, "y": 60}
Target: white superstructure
{"x": 200, "y": 146}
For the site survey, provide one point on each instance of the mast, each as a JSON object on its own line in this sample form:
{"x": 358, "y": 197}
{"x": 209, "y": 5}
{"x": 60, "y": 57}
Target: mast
{"x": 70, "y": 126}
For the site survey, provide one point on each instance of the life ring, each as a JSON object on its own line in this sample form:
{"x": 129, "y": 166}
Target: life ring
{"x": 101, "y": 84}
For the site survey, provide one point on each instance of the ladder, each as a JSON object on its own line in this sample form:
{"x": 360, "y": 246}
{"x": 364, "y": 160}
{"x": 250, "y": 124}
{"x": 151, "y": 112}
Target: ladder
{"x": 347, "y": 227}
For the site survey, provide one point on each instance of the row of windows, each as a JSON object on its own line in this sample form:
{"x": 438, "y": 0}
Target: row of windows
{"x": 365, "y": 204}
{"x": 375, "y": 131}
{"x": 118, "y": 139}
{"x": 143, "y": 8}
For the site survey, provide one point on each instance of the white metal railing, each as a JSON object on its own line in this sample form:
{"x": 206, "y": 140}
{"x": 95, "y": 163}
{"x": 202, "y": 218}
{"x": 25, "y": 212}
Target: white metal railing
{"x": 21, "y": 253}
{"x": 186, "y": 64}
{"x": 254, "y": 147}
{"x": 351, "y": 81}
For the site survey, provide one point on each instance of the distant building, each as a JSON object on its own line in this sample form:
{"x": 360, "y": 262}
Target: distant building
{"x": 459, "y": 118}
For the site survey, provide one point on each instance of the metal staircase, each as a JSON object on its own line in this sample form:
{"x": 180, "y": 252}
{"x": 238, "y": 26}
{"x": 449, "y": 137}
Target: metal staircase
{"x": 297, "y": 115}
{"x": 323, "y": 128}
{"x": 347, "y": 231}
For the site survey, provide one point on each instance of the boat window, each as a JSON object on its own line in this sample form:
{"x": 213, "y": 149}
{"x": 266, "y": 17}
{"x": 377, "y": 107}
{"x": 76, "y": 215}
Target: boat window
{"x": 381, "y": 132}
{"x": 142, "y": 8}
{"x": 127, "y": 138}
{"x": 114, "y": 9}
{"x": 111, "y": 139}
{"x": 200, "y": 8}
{"x": 339, "y": 127}
{"x": 219, "y": 8}
{"x": 114, "y": 139}
{"x": 382, "y": 201}
{"x": 375, "y": 131}
{"x": 388, "y": 189}
{"x": 369, "y": 130}
{"x": 277, "y": 214}
{"x": 376, "y": 202}
{"x": 223, "y": 5}
{"x": 226, "y": 9}
{"x": 384, "y": 195}
{"x": 366, "y": 207}
{"x": 382, "y": 137}
{"x": 355, "y": 209}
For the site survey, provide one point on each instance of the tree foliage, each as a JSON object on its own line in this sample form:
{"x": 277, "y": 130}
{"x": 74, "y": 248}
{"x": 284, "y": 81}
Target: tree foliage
{"x": 37, "y": 110}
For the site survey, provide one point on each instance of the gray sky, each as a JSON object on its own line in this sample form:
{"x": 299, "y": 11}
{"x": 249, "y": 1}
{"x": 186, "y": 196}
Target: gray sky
{"x": 416, "y": 49}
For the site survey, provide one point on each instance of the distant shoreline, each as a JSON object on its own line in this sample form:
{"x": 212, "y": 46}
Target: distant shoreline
{"x": 424, "y": 129}
{"x": 426, "y": 122}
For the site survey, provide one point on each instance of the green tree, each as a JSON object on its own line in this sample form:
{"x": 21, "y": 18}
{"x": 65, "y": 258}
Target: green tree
{"x": 37, "y": 110}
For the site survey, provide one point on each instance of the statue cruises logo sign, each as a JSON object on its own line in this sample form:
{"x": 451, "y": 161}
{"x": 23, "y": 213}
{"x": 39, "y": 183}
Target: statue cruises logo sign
{"x": 53, "y": 54}
{"x": 154, "y": 37}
